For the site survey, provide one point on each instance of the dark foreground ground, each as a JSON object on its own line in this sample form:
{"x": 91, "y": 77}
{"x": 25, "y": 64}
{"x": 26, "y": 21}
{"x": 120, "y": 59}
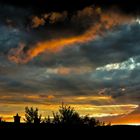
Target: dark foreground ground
{"x": 44, "y": 131}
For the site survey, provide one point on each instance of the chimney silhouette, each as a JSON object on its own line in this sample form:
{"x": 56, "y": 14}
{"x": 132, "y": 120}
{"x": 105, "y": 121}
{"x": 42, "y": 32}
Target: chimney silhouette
{"x": 17, "y": 119}
{"x": 0, "y": 119}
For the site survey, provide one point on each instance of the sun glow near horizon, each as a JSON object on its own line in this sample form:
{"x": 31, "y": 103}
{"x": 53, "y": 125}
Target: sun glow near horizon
{"x": 99, "y": 112}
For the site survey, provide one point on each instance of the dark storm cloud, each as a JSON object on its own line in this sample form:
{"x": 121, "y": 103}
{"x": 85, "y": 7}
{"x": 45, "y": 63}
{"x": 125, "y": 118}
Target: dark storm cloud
{"x": 73, "y": 5}
{"x": 84, "y": 55}
{"x": 115, "y": 46}
{"x": 16, "y": 25}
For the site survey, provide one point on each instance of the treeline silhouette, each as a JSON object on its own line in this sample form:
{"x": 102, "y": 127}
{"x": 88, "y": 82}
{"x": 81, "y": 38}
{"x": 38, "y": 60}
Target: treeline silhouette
{"x": 66, "y": 116}
{"x": 64, "y": 124}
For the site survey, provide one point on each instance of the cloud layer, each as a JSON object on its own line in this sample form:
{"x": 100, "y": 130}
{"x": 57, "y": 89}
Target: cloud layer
{"x": 89, "y": 60}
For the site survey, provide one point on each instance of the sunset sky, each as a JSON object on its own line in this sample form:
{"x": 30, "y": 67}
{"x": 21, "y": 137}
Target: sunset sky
{"x": 85, "y": 54}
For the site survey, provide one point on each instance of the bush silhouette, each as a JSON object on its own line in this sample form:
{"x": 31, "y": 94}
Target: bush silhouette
{"x": 32, "y": 115}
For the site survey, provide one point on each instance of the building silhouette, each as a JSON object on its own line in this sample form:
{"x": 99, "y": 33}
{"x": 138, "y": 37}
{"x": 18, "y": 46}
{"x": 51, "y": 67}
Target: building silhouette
{"x": 17, "y": 119}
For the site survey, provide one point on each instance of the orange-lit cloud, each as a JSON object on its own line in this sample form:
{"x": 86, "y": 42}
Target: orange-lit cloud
{"x": 38, "y": 97}
{"x": 68, "y": 70}
{"x": 107, "y": 21}
{"x": 57, "y": 17}
{"x": 84, "y": 99}
{"x": 36, "y": 22}
{"x": 19, "y": 52}
{"x": 52, "y": 17}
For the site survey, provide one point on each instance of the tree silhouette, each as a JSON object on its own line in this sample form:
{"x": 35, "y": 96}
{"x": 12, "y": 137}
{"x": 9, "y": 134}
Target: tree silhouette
{"x": 56, "y": 118}
{"x": 47, "y": 120}
{"x": 66, "y": 115}
{"x": 32, "y": 115}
